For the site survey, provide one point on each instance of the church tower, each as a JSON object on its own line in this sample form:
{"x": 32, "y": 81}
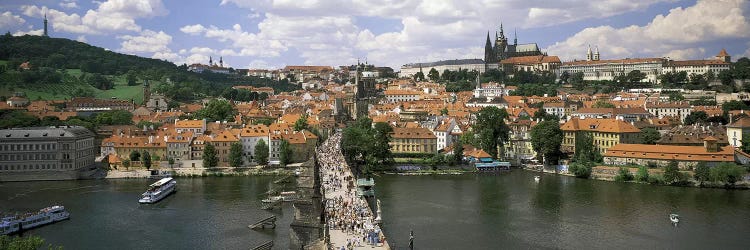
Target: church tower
{"x": 501, "y": 44}
{"x": 589, "y": 54}
{"x": 596, "y": 53}
{"x": 489, "y": 53}
{"x": 221, "y": 61}
{"x": 45, "y": 25}
{"x": 210, "y": 61}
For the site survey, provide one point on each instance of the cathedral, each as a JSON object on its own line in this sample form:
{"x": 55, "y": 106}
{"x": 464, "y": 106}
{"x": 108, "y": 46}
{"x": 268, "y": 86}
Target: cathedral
{"x": 503, "y": 50}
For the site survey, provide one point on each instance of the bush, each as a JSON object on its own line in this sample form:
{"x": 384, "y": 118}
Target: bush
{"x": 728, "y": 173}
{"x": 642, "y": 175}
{"x": 656, "y": 179}
{"x": 671, "y": 173}
{"x": 624, "y": 175}
{"x": 581, "y": 170}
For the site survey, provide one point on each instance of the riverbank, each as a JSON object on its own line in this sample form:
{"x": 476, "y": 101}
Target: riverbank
{"x": 201, "y": 172}
{"x": 606, "y": 173}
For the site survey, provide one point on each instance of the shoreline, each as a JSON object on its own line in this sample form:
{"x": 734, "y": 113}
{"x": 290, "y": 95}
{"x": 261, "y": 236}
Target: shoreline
{"x": 198, "y": 172}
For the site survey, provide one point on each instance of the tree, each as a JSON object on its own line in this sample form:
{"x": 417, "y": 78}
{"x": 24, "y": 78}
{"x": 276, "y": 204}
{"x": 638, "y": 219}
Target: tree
{"x": 642, "y": 175}
{"x": 728, "y": 173}
{"x": 696, "y": 117}
{"x": 624, "y": 175}
{"x": 745, "y": 142}
{"x": 381, "y": 148}
{"x": 21, "y": 243}
{"x": 585, "y": 151}
{"x": 546, "y": 138}
{"x": 419, "y": 76}
{"x": 493, "y": 132}
{"x": 210, "y": 159}
{"x": 469, "y": 138}
{"x": 135, "y": 155}
{"x": 734, "y": 105}
{"x": 285, "y": 152}
{"x": 235, "y": 155}
{"x": 147, "y": 160}
{"x": 444, "y": 111}
{"x": 676, "y": 96}
{"x": 636, "y": 76}
{"x": 126, "y": 164}
{"x": 671, "y": 173}
{"x": 581, "y": 169}
{"x": 702, "y": 173}
{"x": 434, "y": 75}
{"x": 649, "y": 136}
{"x": 170, "y": 160}
{"x": 602, "y": 104}
{"x": 261, "y": 152}
{"x": 216, "y": 110}
{"x": 131, "y": 78}
{"x": 458, "y": 152}
{"x": 301, "y": 123}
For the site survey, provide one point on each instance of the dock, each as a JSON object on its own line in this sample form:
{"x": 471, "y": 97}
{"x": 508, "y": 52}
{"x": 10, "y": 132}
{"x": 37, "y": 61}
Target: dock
{"x": 265, "y": 246}
{"x": 270, "y": 222}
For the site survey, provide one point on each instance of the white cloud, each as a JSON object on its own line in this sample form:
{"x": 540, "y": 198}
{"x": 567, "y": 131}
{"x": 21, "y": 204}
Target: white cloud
{"x": 205, "y": 51}
{"x": 670, "y": 35}
{"x": 147, "y": 41}
{"x": 38, "y": 32}
{"x": 81, "y": 38}
{"x": 110, "y": 16}
{"x": 169, "y": 56}
{"x": 262, "y": 64}
{"x": 69, "y": 4}
{"x": 193, "y": 29}
{"x": 685, "y": 54}
{"x": 8, "y": 21}
{"x": 196, "y": 58}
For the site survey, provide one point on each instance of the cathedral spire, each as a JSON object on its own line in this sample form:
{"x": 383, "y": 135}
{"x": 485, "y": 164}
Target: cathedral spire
{"x": 515, "y": 36}
{"x": 589, "y": 54}
{"x": 488, "y": 50}
{"x": 501, "y": 30}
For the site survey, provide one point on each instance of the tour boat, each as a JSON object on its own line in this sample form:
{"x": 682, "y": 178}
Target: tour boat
{"x": 13, "y": 224}
{"x": 159, "y": 190}
{"x": 674, "y": 218}
{"x": 288, "y": 196}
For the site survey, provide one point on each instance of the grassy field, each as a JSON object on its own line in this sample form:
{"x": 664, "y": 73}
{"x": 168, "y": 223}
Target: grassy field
{"x": 65, "y": 90}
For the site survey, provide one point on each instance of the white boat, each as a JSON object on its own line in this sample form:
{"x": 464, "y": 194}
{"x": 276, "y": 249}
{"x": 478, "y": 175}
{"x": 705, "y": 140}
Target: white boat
{"x": 13, "y": 224}
{"x": 674, "y": 218}
{"x": 537, "y": 178}
{"x": 159, "y": 190}
{"x": 271, "y": 199}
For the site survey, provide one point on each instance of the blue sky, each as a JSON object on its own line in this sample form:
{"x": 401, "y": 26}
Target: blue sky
{"x": 275, "y": 33}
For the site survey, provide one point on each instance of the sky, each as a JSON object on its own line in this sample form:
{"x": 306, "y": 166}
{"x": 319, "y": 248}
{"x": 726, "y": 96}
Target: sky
{"x": 268, "y": 34}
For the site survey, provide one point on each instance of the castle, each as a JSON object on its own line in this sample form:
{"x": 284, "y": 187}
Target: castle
{"x": 503, "y": 50}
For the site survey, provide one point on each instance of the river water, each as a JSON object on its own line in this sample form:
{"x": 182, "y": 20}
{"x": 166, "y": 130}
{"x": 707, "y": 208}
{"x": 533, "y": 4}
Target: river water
{"x": 205, "y": 213}
{"x": 471, "y": 211}
{"x": 511, "y": 211}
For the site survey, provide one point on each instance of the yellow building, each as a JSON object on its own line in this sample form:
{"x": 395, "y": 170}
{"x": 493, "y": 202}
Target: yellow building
{"x": 155, "y": 146}
{"x": 604, "y": 132}
{"x": 413, "y": 140}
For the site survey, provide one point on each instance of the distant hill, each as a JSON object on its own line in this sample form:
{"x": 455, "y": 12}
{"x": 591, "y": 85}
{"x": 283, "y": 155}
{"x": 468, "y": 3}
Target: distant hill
{"x": 63, "y": 68}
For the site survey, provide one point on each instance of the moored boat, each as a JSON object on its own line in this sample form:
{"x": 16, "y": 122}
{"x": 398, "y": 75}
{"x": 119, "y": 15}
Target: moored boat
{"x": 17, "y": 223}
{"x": 158, "y": 190}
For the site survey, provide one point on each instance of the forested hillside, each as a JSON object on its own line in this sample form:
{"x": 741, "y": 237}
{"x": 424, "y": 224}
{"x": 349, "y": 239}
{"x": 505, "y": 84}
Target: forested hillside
{"x": 62, "y": 68}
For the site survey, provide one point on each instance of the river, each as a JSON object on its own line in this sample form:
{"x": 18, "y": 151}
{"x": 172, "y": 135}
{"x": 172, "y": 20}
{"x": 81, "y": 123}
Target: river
{"x": 205, "y": 213}
{"x": 470, "y": 211}
{"x": 511, "y": 211}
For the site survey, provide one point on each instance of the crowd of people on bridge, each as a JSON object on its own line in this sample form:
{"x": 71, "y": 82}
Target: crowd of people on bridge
{"x": 344, "y": 209}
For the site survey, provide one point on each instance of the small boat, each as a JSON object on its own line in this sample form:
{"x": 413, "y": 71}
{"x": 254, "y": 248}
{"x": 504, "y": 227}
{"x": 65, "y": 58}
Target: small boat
{"x": 271, "y": 199}
{"x": 288, "y": 196}
{"x": 674, "y": 218}
{"x": 158, "y": 190}
{"x": 537, "y": 178}
{"x": 13, "y": 224}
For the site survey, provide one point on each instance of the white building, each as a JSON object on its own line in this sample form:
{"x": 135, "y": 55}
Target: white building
{"x": 478, "y": 65}
{"x": 667, "y": 109}
{"x": 249, "y": 138}
{"x": 721, "y": 62}
{"x": 402, "y": 95}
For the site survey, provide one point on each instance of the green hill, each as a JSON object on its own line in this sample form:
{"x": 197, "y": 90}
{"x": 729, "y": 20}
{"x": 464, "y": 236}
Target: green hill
{"x": 62, "y": 68}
